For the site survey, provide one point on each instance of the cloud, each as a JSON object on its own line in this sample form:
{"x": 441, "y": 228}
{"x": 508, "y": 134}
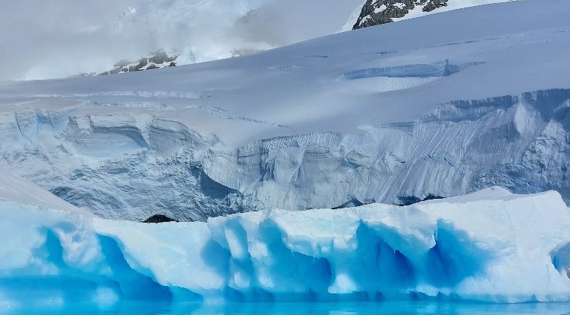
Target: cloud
{"x": 59, "y": 38}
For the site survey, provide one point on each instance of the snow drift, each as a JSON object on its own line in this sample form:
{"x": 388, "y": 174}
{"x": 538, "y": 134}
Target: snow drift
{"x": 133, "y": 165}
{"x": 487, "y": 246}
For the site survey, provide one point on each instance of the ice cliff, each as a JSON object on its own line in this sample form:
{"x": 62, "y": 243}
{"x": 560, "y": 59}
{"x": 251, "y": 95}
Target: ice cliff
{"x": 487, "y": 246}
{"x": 134, "y": 166}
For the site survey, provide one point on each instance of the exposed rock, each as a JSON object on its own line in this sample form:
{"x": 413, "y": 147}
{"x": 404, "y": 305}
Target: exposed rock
{"x": 159, "y": 218}
{"x": 157, "y": 60}
{"x": 434, "y": 4}
{"x": 410, "y": 200}
{"x": 376, "y": 12}
{"x": 351, "y": 203}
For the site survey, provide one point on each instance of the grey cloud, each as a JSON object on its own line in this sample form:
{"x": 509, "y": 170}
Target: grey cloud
{"x": 56, "y": 38}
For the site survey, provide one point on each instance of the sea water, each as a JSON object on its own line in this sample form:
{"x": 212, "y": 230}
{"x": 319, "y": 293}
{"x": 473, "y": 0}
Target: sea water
{"x": 339, "y": 308}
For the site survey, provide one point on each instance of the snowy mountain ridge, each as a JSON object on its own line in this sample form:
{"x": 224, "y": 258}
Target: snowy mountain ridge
{"x": 179, "y": 173}
{"x": 156, "y": 60}
{"x": 159, "y": 60}
{"x": 377, "y": 12}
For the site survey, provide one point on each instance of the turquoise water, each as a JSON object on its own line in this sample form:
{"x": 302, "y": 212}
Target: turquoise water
{"x": 364, "y": 308}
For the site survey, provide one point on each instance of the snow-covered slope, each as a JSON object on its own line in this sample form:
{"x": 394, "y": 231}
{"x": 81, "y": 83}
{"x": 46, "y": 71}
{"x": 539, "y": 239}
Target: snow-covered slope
{"x": 16, "y": 190}
{"x": 489, "y": 246}
{"x": 377, "y": 12}
{"x": 385, "y": 114}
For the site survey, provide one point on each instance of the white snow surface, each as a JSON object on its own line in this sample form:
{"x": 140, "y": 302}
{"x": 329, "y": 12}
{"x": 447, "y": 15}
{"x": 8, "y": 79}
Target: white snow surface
{"x": 21, "y": 191}
{"x": 490, "y": 246}
{"x": 352, "y": 19}
{"x": 385, "y": 114}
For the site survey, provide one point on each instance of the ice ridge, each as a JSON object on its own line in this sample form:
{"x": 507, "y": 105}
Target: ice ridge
{"x": 488, "y": 246}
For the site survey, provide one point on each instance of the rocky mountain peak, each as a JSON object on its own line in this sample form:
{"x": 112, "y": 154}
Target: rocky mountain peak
{"x": 156, "y": 60}
{"x": 376, "y": 12}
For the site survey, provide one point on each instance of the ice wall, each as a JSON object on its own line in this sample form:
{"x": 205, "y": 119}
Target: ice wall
{"x": 519, "y": 142}
{"x": 134, "y": 165}
{"x": 487, "y": 246}
{"x": 127, "y": 166}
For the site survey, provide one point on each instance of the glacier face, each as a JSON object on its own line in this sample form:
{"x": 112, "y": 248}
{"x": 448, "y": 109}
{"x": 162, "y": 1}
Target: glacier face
{"x": 118, "y": 166}
{"x": 134, "y": 166}
{"x": 487, "y": 246}
{"x": 378, "y": 12}
{"x": 517, "y": 142}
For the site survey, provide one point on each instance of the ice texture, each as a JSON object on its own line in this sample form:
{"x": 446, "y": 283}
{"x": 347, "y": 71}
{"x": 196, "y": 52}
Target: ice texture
{"x": 487, "y": 246}
{"x": 389, "y": 114}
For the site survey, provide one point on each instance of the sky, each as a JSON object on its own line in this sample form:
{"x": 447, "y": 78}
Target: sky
{"x": 59, "y": 38}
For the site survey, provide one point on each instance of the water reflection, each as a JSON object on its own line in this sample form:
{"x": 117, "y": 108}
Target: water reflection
{"x": 355, "y": 308}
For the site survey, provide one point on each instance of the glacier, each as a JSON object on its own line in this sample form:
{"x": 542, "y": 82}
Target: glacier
{"x": 420, "y": 160}
{"x": 491, "y": 246}
{"x": 386, "y": 114}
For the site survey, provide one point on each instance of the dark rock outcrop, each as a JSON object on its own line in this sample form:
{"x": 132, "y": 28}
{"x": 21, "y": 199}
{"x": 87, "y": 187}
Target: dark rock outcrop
{"x": 157, "y": 60}
{"x": 159, "y": 218}
{"x": 410, "y": 200}
{"x": 376, "y": 12}
{"x": 351, "y": 203}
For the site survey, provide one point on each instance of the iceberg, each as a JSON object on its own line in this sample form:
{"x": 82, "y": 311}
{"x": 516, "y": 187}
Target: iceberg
{"x": 491, "y": 245}
{"x": 291, "y": 162}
